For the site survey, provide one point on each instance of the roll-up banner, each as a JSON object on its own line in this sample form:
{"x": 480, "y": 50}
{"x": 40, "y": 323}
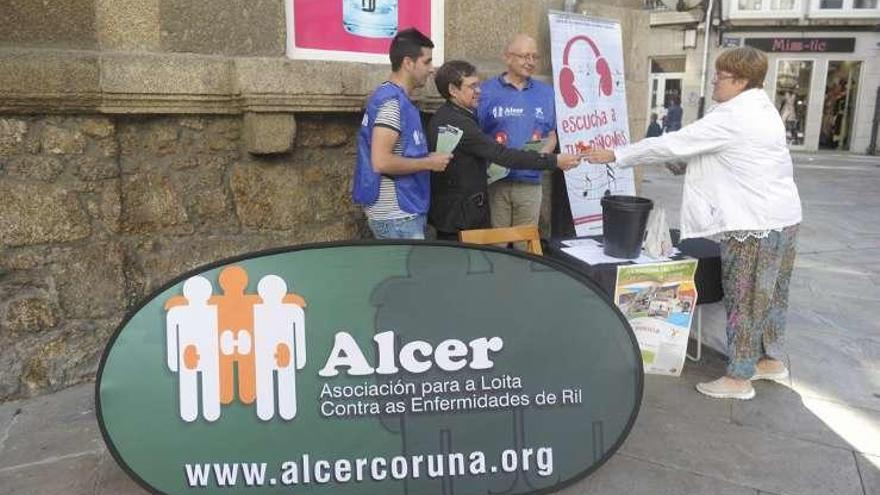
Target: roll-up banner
{"x": 392, "y": 368}
{"x": 587, "y": 57}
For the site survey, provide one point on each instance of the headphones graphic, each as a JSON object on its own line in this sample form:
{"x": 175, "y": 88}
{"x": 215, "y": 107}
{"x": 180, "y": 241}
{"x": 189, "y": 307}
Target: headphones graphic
{"x": 570, "y": 93}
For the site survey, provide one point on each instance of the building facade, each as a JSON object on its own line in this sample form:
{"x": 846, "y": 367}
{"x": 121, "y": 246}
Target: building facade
{"x": 824, "y": 63}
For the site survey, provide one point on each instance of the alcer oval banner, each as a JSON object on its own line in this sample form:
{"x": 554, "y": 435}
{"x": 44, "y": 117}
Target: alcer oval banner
{"x": 394, "y": 368}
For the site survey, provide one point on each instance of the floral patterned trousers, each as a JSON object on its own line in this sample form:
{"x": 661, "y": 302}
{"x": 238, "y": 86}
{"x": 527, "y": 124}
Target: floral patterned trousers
{"x": 755, "y": 275}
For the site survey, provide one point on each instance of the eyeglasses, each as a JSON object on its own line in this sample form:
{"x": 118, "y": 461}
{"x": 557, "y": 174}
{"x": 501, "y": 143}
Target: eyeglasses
{"x": 528, "y": 57}
{"x": 716, "y": 77}
{"x": 475, "y": 86}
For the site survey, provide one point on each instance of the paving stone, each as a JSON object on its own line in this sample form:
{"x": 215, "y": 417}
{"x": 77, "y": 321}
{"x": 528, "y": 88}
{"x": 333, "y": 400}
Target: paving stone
{"x": 623, "y": 474}
{"x": 74, "y": 475}
{"x": 783, "y": 411}
{"x": 742, "y": 456}
{"x": 112, "y": 480}
{"x": 828, "y": 372}
{"x": 51, "y": 427}
{"x": 869, "y": 470}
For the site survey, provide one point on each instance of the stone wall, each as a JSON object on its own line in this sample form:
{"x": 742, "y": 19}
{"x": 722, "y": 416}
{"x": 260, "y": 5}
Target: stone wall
{"x": 142, "y": 138}
{"x": 97, "y": 212}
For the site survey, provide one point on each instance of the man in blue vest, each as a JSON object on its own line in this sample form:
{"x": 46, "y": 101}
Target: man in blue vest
{"x": 514, "y": 110}
{"x": 392, "y": 179}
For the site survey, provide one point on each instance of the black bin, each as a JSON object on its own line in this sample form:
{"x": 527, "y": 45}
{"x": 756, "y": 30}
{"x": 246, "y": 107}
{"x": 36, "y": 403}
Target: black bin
{"x": 624, "y": 219}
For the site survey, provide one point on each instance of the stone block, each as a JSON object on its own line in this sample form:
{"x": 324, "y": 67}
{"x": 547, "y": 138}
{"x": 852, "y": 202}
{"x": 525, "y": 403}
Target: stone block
{"x": 60, "y": 141}
{"x": 165, "y": 74}
{"x": 204, "y": 192}
{"x": 93, "y": 168}
{"x": 45, "y": 73}
{"x": 145, "y": 139}
{"x": 12, "y": 132}
{"x": 67, "y": 357}
{"x": 269, "y": 197}
{"x": 327, "y": 131}
{"x": 157, "y": 261}
{"x": 98, "y": 127}
{"x": 269, "y": 133}
{"x": 29, "y": 315}
{"x": 128, "y": 25}
{"x": 44, "y": 168}
{"x": 68, "y": 25}
{"x": 223, "y": 27}
{"x": 150, "y": 205}
{"x": 40, "y": 213}
{"x": 90, "y": 280}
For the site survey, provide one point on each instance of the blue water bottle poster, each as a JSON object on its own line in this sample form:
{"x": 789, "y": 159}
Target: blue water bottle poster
{"x": 358, "y": 30}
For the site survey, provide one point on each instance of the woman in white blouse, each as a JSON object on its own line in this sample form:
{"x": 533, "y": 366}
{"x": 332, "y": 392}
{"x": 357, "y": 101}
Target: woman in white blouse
{"x": 739, "y": 187}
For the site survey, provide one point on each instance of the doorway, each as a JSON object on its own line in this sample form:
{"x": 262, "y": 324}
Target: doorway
{"x": 792, "y": 97}
{"x": 838, "y": 109}
{"x": 665, "y": 86}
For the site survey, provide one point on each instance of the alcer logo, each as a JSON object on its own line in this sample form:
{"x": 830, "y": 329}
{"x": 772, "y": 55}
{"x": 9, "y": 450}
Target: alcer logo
{"x": 500, "y": 111}
{"x": 208, "y": 335}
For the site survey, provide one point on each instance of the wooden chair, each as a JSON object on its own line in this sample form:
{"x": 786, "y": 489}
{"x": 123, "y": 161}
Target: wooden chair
{"x": 519, "y": 233}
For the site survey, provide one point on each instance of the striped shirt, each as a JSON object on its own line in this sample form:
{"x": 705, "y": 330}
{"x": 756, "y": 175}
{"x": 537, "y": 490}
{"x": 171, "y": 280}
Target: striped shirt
{"x": 386, "y": 207}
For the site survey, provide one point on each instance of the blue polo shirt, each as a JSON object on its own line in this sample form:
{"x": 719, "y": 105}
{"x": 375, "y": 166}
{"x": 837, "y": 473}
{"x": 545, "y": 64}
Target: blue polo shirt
{"x": 514, "y": 117}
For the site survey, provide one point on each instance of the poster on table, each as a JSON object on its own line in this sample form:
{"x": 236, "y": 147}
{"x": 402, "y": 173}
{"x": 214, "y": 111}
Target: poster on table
{"x": 659, "y": 300}
{"x": 587, "y": 57}
{"x": 358, "y": 30}
{"x": 370, "y": 368}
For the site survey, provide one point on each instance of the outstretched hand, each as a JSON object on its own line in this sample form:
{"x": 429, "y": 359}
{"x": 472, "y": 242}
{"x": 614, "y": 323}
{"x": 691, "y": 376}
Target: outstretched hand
{"x": 564, "y": 161}
{"x": 600, "y": 156}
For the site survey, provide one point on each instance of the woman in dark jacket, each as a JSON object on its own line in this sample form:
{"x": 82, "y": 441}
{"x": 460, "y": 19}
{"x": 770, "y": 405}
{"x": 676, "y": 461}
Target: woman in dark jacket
{"x": 459, "y": 194}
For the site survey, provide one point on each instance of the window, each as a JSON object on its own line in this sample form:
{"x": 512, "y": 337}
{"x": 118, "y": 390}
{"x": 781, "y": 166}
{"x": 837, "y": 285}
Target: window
{"x": 844, "y": 8}
{"x": 766, "y": 8}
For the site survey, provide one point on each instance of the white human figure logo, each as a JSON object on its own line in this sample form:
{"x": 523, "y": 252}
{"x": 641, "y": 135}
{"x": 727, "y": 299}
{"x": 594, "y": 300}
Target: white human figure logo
{"x": 192, "y": 350}
{"x": 279, "y": 346}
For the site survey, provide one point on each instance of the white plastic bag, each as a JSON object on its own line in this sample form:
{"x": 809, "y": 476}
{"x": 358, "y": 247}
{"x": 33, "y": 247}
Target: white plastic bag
{"x": 658, "y": 242}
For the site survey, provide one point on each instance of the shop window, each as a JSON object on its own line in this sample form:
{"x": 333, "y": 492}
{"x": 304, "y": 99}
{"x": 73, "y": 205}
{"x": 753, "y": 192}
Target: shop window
{"x": 865, "y": 4}
{"x": 792, "y": 97}
{"x": 839, "y": 107}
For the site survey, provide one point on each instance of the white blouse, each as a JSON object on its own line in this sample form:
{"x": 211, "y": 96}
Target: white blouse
{"x": 739, "y": 175}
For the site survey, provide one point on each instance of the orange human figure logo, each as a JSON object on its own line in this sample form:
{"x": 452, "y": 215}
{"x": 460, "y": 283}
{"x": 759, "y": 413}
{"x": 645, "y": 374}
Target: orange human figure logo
{"x": 248, "y": 337}
{"x": 235, "y": 317}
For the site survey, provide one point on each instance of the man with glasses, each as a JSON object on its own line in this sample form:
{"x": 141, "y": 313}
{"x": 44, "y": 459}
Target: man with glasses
{"x": 458, "y": 194}
{"x": 514, "y": 110}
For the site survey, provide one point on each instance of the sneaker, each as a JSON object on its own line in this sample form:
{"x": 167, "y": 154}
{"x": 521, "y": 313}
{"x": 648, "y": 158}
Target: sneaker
{"x": 779, "y": 374}
{"x": 726, "y": 388}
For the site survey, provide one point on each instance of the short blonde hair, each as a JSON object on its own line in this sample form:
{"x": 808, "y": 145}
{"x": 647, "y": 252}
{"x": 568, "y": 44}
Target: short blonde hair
{"x": 744, "y": 62}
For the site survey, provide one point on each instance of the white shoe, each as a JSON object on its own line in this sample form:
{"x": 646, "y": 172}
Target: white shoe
{"x": 722, "y": 388}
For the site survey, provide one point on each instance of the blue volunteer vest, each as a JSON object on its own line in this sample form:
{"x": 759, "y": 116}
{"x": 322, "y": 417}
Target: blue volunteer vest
{"x": 413, "y": 190}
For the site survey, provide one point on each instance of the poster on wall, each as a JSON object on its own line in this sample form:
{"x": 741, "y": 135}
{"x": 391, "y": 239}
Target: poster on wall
{"x": 358, "y": 30}
{"x": 659, "y": 300}
{"x": 364, "y": 369}
{"x": 587, "y": 57}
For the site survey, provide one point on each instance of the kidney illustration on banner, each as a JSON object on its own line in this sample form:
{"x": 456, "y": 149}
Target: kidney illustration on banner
{"x": 209, "y": 337}
{"x": 591, "y": 110}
